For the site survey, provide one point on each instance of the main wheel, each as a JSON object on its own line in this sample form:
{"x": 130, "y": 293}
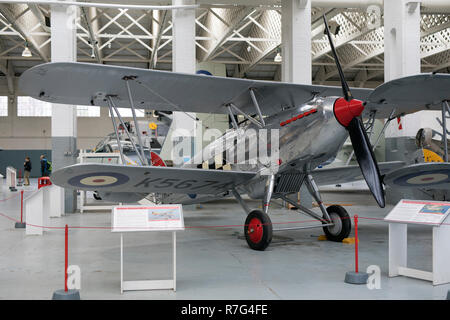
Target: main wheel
{"x": 258, "y": 230}
{"x": 97, "y": 196}
{"x": 342, "y": 224}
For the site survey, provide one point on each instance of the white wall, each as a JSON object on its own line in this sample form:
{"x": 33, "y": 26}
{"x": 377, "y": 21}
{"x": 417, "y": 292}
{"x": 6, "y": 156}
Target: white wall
{"x": 34, "y": 133}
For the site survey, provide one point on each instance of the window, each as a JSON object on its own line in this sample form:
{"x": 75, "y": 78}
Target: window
{"x": 88, "y": 111}
{"x": 126, "y": 113}
{"x": 3, "y": 106}
{"x": 29, "y": 107}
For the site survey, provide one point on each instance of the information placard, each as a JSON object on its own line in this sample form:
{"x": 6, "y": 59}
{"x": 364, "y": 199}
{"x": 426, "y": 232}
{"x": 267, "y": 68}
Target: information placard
{"x": 167, "y": 217}
{"x": 419, "y": 211}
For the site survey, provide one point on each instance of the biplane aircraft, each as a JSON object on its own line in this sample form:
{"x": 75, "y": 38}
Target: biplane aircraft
{"x": 313, "y": 123}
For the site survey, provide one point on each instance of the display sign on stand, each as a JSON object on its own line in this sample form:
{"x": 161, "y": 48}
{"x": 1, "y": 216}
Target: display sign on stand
{"x": 144, "y": 218}
{"x": 431, "y": 213}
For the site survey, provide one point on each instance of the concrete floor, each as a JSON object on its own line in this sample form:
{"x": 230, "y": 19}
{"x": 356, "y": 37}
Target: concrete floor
{"x": 212, "y": 263}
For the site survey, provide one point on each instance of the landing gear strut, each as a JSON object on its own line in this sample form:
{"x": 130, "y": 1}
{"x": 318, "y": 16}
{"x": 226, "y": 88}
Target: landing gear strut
{"x": 258, "y": 226}
{"x": 335, "y": 219}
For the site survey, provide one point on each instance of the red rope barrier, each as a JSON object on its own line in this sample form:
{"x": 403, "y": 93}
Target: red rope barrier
{"x": 12, "y": 197}
{"x": 196, "y": 227}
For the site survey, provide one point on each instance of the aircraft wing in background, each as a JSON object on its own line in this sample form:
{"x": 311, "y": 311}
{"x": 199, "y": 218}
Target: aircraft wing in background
{"x": 325, "y": 176}
{"x": 426, "y": 175}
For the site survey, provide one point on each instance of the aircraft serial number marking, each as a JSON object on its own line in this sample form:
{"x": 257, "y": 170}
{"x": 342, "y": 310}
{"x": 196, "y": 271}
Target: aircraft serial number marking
{"x": 182, "y": 184}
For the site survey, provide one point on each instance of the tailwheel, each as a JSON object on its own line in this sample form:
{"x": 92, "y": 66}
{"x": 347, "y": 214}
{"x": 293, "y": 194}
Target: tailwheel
{"x": 342, "y": 224}
{"x": 258, "y": 230}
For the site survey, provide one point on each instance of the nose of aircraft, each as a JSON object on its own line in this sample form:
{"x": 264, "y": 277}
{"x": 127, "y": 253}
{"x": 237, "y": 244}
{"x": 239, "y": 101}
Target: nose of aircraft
{"x": 345, "y": 111}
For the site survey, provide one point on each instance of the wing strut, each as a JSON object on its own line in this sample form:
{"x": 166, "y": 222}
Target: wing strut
{"x": 258, "y": 109}
{"x": 233, "y": 119}
{"x": 445, "y": 108}
{"x": 115, "y": 129}
{"x": 138, "y": 132}
{"x": 126, "y": 130}
{"x": 256, "y": 122}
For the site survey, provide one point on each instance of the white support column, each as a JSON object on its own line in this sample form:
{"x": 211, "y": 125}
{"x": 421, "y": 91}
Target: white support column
{"x": 402, "y": 58}
{"x": 183, "y": 46}
{"x": 296, "y": 41}
{"x": 64, "y": 117}
{"x": 296, "y": 52}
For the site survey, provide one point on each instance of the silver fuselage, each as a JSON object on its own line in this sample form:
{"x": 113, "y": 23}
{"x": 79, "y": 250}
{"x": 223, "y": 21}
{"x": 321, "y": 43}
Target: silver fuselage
{"x": 304, "y": 144}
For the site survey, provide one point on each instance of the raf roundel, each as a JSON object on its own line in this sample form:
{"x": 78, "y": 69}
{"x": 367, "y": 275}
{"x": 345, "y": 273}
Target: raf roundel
{"x": 99, "y": 180}
{"x": 423, "y": 179}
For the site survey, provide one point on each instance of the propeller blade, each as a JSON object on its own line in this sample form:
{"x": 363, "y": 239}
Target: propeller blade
{"x": 366, "y": 159}
{"x": 345, "y": 88}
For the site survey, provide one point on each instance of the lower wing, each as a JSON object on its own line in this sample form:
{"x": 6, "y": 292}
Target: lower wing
{"x": 119, "y": 178}
{"x": 349, "y": 173}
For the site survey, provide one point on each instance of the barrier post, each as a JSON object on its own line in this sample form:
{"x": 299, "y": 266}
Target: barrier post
{"x": 66, "y": 255}
{"x": 66, "y": 293}
{"x": 21, "y": 224}
{"x": 356, "y": 243}
{"x": 356, "y": 277}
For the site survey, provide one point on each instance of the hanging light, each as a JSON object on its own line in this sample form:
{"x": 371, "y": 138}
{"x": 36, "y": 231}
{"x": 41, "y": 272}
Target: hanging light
{"x": 278, "y": 57}
{"x": 26, "y": 52}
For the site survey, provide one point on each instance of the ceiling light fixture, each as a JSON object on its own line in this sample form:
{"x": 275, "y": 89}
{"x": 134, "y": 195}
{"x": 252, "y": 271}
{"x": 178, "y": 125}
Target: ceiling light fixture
{"x": 26, "y": 51}
{"x": 278, "y": 57}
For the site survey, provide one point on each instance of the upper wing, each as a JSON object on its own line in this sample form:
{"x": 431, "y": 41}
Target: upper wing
{"x": 119, "y": 178}
{"x": 349, "y": 173}
{"x": 81, "y": 83}
{"x": 423, "y": 175}
{"x": 86, "y": 84}
{"x": 409, "y": 94}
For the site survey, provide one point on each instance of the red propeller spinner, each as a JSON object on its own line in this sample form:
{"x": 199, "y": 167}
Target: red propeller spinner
{"x": 345, "y": 111}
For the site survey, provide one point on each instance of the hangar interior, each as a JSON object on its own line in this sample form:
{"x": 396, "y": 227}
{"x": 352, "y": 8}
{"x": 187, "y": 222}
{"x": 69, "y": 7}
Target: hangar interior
{"x": 270, "y": 40}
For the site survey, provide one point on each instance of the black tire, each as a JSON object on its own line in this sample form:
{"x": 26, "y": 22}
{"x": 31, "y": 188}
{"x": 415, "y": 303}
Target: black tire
{"x": 96, "y": 196}
{"x": 258, "y": 230}
{"x": 342, "y": 227}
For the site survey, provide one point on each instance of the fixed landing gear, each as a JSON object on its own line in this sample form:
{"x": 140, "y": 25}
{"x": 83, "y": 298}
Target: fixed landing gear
{"x": 258, "y": 230}
{"x": 258, "y": 226}
{"x": 341, "y": 224}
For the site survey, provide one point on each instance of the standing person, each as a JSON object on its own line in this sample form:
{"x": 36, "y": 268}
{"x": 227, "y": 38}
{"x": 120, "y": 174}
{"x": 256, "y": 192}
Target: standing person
{"x": 27, "y": 171}
{"x": 44, "y": 171}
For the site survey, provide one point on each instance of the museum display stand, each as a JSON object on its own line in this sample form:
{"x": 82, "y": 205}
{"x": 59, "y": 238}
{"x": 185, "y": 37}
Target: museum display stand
{"x": 420, "y": 212}
{"x": 127, "y": 285}
{"x": 11, "y": 177}
{"x": 45, "y": 203}
{"x": 145, "y": 218}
